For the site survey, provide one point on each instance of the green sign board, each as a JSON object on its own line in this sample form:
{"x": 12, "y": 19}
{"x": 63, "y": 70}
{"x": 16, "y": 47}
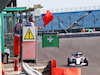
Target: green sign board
{"x": 50, "y": 40}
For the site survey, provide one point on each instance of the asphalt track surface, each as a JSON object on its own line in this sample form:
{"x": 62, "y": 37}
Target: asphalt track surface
{"x": 90, "y": 46}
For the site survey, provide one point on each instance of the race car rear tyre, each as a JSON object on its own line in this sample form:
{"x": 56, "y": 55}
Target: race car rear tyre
{"x": 68, "y": 61}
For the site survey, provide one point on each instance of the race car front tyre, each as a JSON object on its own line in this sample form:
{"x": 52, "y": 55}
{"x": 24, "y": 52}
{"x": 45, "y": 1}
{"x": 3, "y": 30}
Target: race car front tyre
{"x": 86, "y": 61}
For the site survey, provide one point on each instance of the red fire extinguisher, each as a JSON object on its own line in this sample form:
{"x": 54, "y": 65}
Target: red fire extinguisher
{"x": 16, "y": 64}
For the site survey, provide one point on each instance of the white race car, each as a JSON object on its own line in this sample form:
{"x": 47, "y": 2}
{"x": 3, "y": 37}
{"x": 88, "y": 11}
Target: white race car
{"x": 77, "y": 59}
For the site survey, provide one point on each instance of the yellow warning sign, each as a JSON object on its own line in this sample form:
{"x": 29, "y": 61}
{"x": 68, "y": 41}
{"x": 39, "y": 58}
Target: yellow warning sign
{"x": 29, "y": 35}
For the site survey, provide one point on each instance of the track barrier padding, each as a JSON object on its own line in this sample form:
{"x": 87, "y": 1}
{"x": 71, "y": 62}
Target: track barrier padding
{"x": 53, "y": 62}
{"x": 64, "y": 71}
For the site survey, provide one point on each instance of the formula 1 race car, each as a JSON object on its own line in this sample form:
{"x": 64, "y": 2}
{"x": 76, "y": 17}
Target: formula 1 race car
{"x": 77, "y": 59}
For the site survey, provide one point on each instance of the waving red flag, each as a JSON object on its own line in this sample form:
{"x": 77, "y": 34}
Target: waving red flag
{"x": 47, "y": 18}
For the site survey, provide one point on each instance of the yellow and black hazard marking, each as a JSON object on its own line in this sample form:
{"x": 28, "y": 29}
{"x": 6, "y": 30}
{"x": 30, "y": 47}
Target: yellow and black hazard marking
{"x": 29, "y": 35}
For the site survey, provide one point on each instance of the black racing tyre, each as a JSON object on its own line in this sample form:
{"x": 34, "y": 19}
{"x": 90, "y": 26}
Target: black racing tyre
{"x": 68, "y": 61}
{"x": 86, "y": 61}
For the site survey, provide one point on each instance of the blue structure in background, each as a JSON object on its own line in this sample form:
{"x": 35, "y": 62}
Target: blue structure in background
{"x": 90, "y": 21}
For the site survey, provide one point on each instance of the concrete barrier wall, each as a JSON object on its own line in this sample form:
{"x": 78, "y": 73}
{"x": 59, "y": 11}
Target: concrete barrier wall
{"x": 28, "y": 70}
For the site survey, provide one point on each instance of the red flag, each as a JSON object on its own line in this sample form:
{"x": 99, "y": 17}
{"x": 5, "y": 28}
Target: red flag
{"x": 47, "y": 18}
